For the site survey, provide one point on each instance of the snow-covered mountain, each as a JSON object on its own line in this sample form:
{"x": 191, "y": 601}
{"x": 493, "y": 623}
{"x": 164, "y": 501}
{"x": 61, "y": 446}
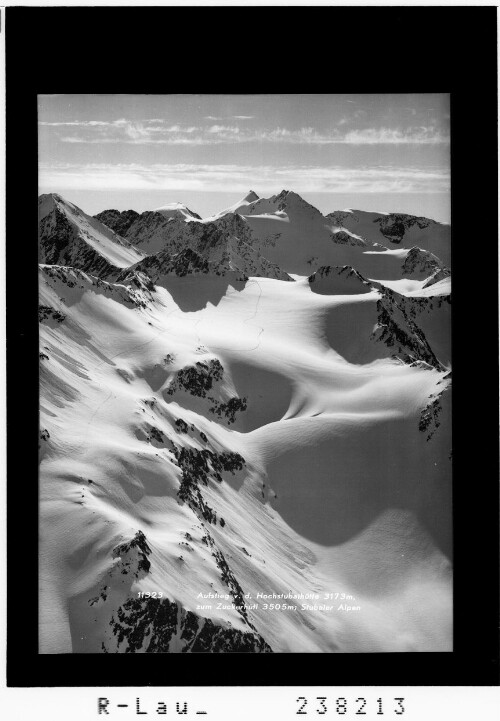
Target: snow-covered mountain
{"x": 177, "y": 210}
{"x": 277, "y": 227}
{"x": 67, "y": 236}
{"x": 283, "y": 222}
{"x": 244, "y": 430}
{"x": 398, "y": 230}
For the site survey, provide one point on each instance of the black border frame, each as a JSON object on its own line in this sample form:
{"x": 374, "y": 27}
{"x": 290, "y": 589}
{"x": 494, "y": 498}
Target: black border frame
{"x": 299, "y": 49}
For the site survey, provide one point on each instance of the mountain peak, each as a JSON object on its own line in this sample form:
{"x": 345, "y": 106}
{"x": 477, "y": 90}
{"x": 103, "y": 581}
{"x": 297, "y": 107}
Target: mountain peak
{"x": 250, "y": 197}
{"x": 47, "y": 202}
{"x": 290, "y": 195}
{"x": 46, "y": 196}
{"x": 69, "y": 236}
{"x": 290, "y": 201}
{"x": 282, "y": 195}
{"x": 179, "y": 210}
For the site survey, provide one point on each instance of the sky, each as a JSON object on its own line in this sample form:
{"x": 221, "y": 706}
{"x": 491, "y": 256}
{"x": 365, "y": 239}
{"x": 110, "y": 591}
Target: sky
{"x": 380, "y": 152}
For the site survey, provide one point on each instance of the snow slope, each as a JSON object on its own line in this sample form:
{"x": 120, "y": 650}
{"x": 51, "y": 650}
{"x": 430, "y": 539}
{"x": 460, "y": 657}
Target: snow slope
{"x": 292, "y": 232}
{"x": 398, "y": 229}
{"x": 211, "y": 436}
{"x": 177, "y": 210}
{"x": 288, "y": 231}
{"x": 69, "y": 236}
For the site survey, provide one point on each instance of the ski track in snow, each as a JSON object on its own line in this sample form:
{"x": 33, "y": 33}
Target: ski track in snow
{"x": 245, "y": 321}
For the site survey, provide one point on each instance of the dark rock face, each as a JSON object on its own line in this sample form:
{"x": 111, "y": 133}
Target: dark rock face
{"x": 55, "y": 235}
{"x": 198, "y": 468}
{"x": 139, "y": 228}
{"x": 139, "y": 550}
{"x": 395, "y": 225}
{"x": 339, "y": 216}
{"x": 132, "y": 561}
{"x": 228, "y": 259}
{"x": 397, "y": 330}
{"x": 137, "y": 293}
{"x": 421, "y": 261}
{"x": 197, "y": 379}
{"x": 159, "y": 625}
{"x": 181, "y": 425}
{"x": 210, "y": 235}
{"x": 44, "y": 434}
{"x": 414, "y": 306}
{"x": 149, "y": 625}
{"x": 345, "y": 271}
{"x": 397, "y": 316}
{"x": 119, "y": 222}
{"x": 289, "y": 201}
{"x": 185, "y": 262}
{"x": 45, "y": 311}
{"x": 440, "y": 274}
{"x": 155, "y": 434}
{"x": 60, "y": 244}
{"x": 229, "y": 579}
{"x": 224, "y": 245}
{"x": 188, "y": 262}
{"x": 230, "y": 409}
{"x": 429, "y": 417}
{"x": 344, "y": 238}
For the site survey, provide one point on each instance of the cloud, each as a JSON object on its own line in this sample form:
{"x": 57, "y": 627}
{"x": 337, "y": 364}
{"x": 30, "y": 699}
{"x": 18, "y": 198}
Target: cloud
{"x": 155, "y": 132}
{"x": 135, "y": 131}
{"x": 78, "y": 123}
{"x": 181, "y": 140}
{"x": 227, "y": 117}
{"x": 72, "y": 139}
{"x": 222, "y": 130}
{"x": 389, "y": 136}
{"x": 238, "y": 178}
